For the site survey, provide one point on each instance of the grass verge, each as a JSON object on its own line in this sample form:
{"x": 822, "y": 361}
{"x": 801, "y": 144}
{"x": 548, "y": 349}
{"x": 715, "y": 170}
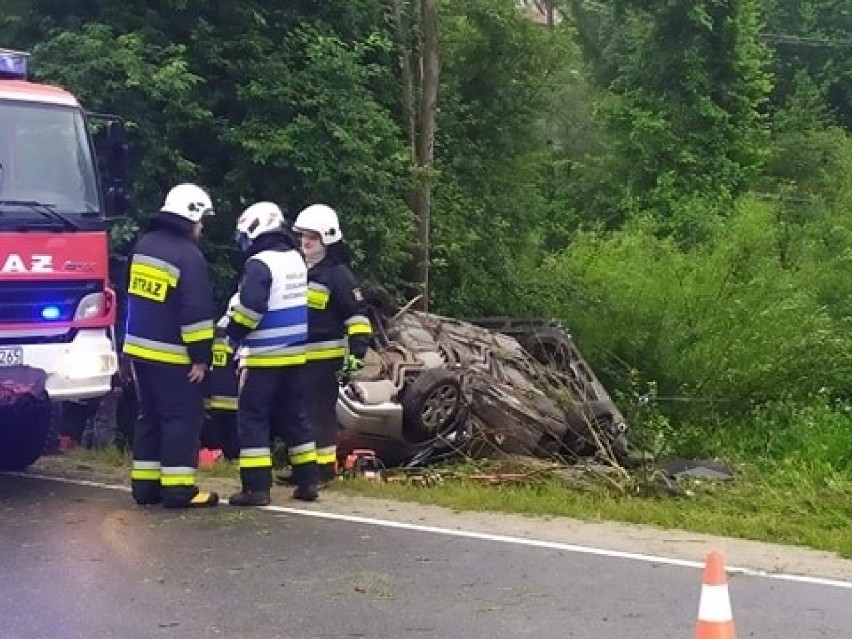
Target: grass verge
{"x": 116, "y": 458}
{"x": 782, "y": 506}
{"x": 787, "y": 503}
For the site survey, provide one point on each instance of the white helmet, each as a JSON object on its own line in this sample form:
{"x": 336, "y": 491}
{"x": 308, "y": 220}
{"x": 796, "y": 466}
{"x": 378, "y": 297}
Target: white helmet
{"x": 188, "y": 201}
{"x": 321, "y": 219}
{"x": 259, "y": 218}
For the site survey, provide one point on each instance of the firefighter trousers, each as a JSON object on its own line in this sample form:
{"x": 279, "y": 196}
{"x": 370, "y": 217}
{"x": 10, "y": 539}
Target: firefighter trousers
{"x": 220, "y": 431}
{"x": 271, "y": 401}
{"x": 321, "y": 399}
{"x": 165, "y": 439}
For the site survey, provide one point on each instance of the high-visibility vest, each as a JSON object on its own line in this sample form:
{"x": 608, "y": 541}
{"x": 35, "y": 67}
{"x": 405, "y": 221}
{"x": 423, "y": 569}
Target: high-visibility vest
{"x": 279, "y": 337}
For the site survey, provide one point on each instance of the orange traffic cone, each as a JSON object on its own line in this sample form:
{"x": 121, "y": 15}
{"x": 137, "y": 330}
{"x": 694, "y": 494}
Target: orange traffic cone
{"x": 715, "y": 619}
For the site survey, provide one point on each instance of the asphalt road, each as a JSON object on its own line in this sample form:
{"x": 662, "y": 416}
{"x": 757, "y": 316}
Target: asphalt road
{"x": 82, "y": 562}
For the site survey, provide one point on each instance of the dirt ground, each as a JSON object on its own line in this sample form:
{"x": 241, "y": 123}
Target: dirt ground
{"x": 630, "y": 538}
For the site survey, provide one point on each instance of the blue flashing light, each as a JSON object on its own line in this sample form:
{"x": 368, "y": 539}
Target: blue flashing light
{"x": 50, "y": 312}
{"x": 13, "y": 64}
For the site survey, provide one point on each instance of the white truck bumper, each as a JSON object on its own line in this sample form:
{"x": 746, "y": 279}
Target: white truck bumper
{"x": 80, "y": 369}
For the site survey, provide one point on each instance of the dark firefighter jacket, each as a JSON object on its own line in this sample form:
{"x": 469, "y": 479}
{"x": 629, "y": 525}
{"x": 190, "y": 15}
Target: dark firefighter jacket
{"x": 270, "y": 318}
{"x": 336, "y": 313}
{"x": 170, "y": 311}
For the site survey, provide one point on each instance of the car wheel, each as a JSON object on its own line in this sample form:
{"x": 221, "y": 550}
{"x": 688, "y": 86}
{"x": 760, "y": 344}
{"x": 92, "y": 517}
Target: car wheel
{"x": 551, "y": 347}
{"x": 598, "y": 419}
{"x": 430, "y": 404}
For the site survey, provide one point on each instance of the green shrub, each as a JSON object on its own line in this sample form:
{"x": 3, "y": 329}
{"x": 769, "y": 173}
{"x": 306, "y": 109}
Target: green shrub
{"x": 731, "y": 321}
{"x": 814, "y": 434}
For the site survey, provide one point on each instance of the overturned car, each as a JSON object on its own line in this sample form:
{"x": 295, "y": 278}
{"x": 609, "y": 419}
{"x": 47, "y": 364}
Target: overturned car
{"x": 433, "y": 388}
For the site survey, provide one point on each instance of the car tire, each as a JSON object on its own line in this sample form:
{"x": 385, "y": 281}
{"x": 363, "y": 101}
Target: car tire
{"x": 431, "y": 402}
{"x": 549, "y": 346}
{"x": 597, "y": 417}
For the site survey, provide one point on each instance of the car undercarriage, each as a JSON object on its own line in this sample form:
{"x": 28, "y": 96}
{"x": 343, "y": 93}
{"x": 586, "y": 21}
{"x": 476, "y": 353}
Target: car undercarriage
{"x": 434, "y": 388}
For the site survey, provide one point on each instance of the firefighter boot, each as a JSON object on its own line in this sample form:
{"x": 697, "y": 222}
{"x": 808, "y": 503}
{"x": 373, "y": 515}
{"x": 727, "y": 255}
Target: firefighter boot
{"x": 326, "y": 474}
{"x": 149, "y": 500}
{"x": 306, "y": 492}
{"x": 256, "y": 483}
{"x": 250, "y": 498}
{"x": 146, "y": 492}
{"x": 306, "y": 479}
{"x": 201, "y": 499}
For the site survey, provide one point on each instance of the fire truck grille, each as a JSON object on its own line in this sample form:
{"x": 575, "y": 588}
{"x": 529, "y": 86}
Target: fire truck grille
{"x": 42, "y": 303}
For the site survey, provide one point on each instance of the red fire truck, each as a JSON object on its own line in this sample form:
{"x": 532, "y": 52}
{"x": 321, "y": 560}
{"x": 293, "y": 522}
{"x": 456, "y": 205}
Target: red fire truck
{"x": 57, "y": 310}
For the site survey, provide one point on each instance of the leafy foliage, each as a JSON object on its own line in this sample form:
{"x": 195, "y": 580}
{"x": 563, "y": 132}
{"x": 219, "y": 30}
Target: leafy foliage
{"x": 212, "y": 95}
{"x": 635, "y": 170}
{"x": 811, "y": 37}
{"x": 728, "y": 321}
{"x": 688, "y": 81}
{"x": 491, "y": 156}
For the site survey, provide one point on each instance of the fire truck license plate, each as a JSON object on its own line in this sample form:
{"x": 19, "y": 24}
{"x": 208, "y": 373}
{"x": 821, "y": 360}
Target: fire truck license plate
{"x": 11, "y": 355}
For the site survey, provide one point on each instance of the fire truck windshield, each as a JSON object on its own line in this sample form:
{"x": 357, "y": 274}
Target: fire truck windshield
{"x": 45, "y": 158}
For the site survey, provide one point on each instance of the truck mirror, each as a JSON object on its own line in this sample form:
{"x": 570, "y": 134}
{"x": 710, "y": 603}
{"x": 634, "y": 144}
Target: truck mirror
{"x": 112, "y": 160}
{"x": 115, "y": 202}
{"x": 115, "y": 133}
{"x": 116, "y": 138}
{"x": 116, "y": 142}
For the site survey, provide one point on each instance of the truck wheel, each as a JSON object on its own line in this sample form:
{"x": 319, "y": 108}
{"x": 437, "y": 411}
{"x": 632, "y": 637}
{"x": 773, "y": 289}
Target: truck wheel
{"x": 24, "y": 435}
{"x": 430, "y": 405}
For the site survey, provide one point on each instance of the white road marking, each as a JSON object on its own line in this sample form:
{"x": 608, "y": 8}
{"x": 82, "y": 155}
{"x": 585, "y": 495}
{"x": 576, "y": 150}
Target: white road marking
{"x": 506, "y": 539}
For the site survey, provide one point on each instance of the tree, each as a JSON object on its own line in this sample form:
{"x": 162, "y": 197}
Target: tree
{"x": 688, "y": 81}
{"x": 812, "y": 37}
{"x": 420, "y": 81}
{"x": 304, "y": 101}
{"x": 493, "y": 157}
{"x": 252, "y": 100}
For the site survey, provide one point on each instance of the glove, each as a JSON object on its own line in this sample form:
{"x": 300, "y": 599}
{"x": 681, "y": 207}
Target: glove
{"x": 352, "y": 364}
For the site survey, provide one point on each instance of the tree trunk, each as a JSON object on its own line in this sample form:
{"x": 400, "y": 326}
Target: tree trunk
{"x": 420, "y": 75}
{"x": 546, "y": 8}
{"x": 403, "y": 29}
{"x": 425, "y": 149}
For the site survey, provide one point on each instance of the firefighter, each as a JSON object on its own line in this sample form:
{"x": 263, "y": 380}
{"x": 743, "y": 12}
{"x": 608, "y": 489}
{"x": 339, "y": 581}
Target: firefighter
{"x": 338, "y": 327}
{"x": 270, "y": 325}
{"x": 169, "y": 337}
{"x": 221, "y": 402}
